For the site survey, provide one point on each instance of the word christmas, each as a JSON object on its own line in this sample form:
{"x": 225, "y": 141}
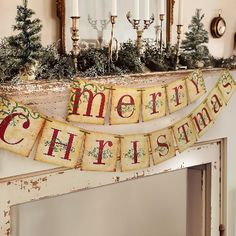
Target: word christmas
{"x": 66, "y": 145}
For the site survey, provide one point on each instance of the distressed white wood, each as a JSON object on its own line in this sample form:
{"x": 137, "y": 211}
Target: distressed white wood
{"x": 215, "y": 197}
{"x": 58, "y": 182}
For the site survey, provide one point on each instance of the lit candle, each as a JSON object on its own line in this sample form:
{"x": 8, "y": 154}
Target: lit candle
{"x": 114, "y": 8}
{"x": 146, "y": 10}
{"x": 136, "y": 10}
{"x": 162, "y": 7}
{"x": 180, "y": 16}
{"x": 75, "y": 6}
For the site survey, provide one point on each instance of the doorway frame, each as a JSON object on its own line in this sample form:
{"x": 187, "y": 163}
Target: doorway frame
{"x": 46, "y": 184}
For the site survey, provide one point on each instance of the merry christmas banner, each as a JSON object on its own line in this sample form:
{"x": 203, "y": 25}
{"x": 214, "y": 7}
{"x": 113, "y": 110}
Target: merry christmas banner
{"x": 89, "y": 101}
{"x": 67, "y": 145}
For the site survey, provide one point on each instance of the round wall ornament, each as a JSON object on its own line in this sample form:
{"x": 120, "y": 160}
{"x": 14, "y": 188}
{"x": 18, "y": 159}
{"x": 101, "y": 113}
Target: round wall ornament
{"x": 218, "y": 26}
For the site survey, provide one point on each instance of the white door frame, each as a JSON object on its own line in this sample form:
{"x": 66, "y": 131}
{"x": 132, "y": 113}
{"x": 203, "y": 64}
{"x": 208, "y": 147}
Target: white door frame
{"x": 55, "y": 182}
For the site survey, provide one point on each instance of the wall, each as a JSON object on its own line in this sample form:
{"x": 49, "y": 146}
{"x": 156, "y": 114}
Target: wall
{"x": 45, "y": 10}
{"x": 142, "y": 207}
{"x": 218, "y": 47}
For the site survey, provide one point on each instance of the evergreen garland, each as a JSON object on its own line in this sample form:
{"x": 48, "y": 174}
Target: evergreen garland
{"x": 94, "y": 62}
{"x": 9, "y": 70}
{"x": 52, "y": 65}
{"x": 157, "y": 60}
{"x": 229, "y": 63}
{"x": 129, "y": 58}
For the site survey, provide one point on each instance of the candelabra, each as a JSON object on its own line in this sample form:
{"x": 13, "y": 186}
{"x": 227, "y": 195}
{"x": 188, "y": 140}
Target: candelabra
{"x": 75, "y": 39}
{"x": 157, "y": 31}
{"x": 161, "y": 29}
{"x": 113, "y": 22}
{"x": 103, "y": 26}
{"x": 179, "y": 31}
{"x": 139, "y": 31}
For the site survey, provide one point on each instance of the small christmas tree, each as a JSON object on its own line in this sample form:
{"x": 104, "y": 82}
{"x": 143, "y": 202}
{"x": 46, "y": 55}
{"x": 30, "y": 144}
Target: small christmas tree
{"x": 26, "y": 45}
{"x": 194, "y": 49}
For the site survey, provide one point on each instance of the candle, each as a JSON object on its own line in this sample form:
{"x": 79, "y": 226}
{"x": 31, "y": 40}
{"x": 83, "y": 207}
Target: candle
{"x": 136, "y": 10}
{"x": 146, "y": 10}
{"x": 157, "y": 11}
{"x": 180, "y": 15}
{"x": 114, "y": 8}
{"x": 75, "y": 10}
{"x": 162, "y": 7}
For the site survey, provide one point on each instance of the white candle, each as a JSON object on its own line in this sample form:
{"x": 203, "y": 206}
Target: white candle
{"x": 75, "y": 10}
{"x": 136, "y": 10}
{"x": 180, "y": 15}
{"x": 157, "y": 11}
{"x": 162, "y": 7}
{"x": 114, "y": 8}
{"x": 146, "y": 10}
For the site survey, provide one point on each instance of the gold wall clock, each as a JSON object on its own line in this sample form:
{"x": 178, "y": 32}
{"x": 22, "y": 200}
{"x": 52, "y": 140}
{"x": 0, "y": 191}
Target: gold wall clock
{"x": 218, "y": 27}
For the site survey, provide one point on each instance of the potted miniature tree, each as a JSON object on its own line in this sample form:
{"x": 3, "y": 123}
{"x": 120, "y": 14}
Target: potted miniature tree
{"x": 26, "y": 45}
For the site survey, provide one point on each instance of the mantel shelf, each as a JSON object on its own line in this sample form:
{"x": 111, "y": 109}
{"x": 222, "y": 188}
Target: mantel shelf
{"x": 137, "y": 80}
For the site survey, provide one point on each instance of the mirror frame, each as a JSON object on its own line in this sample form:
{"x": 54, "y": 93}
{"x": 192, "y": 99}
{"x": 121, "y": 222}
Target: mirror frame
{"x": 61, "y": 14}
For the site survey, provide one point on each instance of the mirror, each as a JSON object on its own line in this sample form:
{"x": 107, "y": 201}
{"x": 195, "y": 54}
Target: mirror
{"x": 95, "y": 26}
{"x": 130, "y": 208}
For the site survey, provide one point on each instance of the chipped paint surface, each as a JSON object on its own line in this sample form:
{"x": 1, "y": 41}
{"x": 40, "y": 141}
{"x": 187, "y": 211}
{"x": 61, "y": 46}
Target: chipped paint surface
{"x": 43, "y": 185}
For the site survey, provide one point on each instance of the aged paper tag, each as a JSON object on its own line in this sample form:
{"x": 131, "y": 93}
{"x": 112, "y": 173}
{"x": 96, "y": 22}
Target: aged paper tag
{"x": 134, "y": 152}
{"x": 195, "y": 86}
{"x": 227, "y": 85}
{"x": 202, "y": 119}
{"x": 60, "y": 144}
{"x": 177, "y": 95}
{"x": 100, "y": 152}
{"x": 19, "y": 127}
{"x": 184, "y": 133}
{"x": 125, "y": 106}
{"x": 215, "y": 102}
{"x": 153, "y": 103}
{"x": 88, "y": 102}
{"x": 162, "y": 144}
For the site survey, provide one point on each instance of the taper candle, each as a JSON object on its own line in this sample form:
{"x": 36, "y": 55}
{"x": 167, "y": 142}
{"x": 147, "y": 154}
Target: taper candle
{"x": 136, "y": 10}
{"x": 162, "y": 7}
{"x": 75, "y": 10}
{"x": 180, "y": 15}
{"x": 114, "y": 8}
{"x": 146, "y": 10}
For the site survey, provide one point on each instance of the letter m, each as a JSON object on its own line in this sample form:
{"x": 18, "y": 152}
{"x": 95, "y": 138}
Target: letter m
{"x": 88, "y": 98}
{"x": 202, "y": 119}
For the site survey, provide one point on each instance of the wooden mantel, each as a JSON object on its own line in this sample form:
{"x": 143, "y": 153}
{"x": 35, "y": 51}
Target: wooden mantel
{"x": 51, "y": 98}
{"x": 38, "y": 93}
{"x": 145, "y": 79}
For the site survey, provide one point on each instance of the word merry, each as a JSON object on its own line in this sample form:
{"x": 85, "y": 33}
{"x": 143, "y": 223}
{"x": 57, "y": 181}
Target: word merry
{"x": 89, "y": 101}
